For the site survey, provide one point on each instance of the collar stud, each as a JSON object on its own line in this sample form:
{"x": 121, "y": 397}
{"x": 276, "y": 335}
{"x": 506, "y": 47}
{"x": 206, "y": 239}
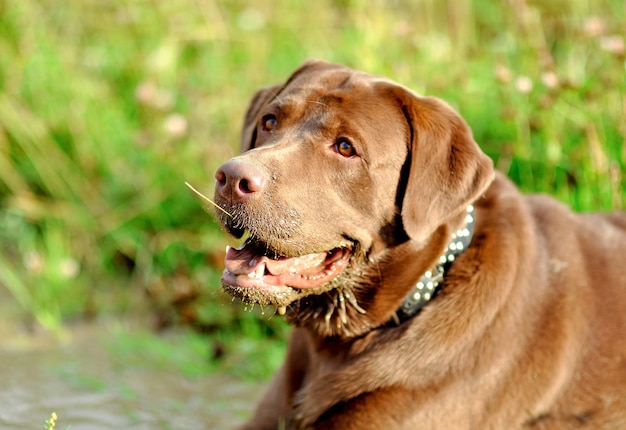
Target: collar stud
{"x": 430, "y": 282}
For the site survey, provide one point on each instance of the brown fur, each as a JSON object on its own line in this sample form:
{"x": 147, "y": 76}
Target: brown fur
{"x": 529, "y": 331}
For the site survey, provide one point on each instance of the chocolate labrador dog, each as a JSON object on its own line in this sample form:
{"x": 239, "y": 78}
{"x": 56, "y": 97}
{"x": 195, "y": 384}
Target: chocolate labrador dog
{"x": 426, "y": 292}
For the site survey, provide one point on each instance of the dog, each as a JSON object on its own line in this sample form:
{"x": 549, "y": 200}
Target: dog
{"x": 425, "y": 291}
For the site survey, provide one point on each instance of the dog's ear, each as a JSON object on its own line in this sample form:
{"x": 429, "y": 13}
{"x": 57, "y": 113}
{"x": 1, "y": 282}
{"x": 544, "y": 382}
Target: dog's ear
{"x": 447, "y": 170}
{"x": 259, "y": 99}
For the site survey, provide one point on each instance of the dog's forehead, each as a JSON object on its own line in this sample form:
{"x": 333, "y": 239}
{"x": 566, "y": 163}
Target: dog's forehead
{"x": 327, "y": 86}
{"x": 335, "y": 96}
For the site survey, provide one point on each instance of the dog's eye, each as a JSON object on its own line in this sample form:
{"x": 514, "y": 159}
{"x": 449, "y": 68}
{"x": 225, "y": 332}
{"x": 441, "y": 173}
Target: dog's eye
{"x": 344, "y": 147}
{"x": 269, "y": 122}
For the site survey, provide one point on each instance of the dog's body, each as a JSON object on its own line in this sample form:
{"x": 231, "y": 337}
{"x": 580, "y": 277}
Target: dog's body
{"x": 351, "y": 188}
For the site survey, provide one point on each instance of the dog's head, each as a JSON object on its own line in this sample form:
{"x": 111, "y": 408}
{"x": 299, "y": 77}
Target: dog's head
{"x": 339, "y": 169}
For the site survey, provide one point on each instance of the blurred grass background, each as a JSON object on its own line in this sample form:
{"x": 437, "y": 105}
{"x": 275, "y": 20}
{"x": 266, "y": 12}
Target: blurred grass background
{"x": 108, "y": 107}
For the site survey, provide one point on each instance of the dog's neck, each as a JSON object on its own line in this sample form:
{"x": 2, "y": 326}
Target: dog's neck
{"x": 429, "y": 284}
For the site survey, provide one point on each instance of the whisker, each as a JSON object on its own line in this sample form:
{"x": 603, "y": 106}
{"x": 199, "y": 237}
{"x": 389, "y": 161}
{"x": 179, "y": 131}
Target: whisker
{"x": 317, "y": 102}
{"x": 207, "y": 199}
{"x": 352, "y": 300}
{"x": 341, "y": 310}
{"x": 329, "y": 313}
{"x": 317, "y": 312}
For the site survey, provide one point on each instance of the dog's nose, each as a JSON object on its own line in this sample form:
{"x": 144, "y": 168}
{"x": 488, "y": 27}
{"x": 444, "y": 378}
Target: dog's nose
{"x": 238, "y": 181}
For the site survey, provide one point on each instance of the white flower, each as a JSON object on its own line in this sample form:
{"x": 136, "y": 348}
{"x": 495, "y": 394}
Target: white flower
{"x": 503, "y": 74}
{"x": 523, "y": 84}
{"x": 613, "y": 44}
{"x": 69, "y": 268}
{"x": 550, "y": 79}
{"x": 176, "y": 125}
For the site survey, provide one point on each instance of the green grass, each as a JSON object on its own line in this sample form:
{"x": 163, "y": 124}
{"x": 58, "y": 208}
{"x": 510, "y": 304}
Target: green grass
{"x": 107, "y": 108}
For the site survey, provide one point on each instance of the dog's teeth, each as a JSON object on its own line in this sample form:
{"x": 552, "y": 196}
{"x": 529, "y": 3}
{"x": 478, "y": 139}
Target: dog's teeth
{"x": 260, "y": 271}
{"x": 281, "y": 310}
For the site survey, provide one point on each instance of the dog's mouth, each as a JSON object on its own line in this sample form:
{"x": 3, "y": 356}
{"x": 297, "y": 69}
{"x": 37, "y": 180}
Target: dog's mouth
{"x": 254, "y": 266}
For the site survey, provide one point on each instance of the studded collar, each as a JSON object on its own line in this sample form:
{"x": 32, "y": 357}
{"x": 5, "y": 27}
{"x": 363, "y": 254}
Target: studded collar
{"x": 430, "y": 282}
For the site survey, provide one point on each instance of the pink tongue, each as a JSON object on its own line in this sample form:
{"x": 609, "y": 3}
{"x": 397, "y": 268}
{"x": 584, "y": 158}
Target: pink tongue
{"x": 246, "y": 260}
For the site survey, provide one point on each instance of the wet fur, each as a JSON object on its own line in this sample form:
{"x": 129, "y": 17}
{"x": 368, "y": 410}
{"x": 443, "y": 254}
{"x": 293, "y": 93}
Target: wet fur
{"x": 529, "y": 329}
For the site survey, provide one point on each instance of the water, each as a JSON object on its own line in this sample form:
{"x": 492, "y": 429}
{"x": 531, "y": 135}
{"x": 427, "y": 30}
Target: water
{"x": 88, "y": 388}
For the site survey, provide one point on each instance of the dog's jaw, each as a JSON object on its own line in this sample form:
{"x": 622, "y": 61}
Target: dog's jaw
{"x": 256, "y": 275}
{"x": 324, "y": 292}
